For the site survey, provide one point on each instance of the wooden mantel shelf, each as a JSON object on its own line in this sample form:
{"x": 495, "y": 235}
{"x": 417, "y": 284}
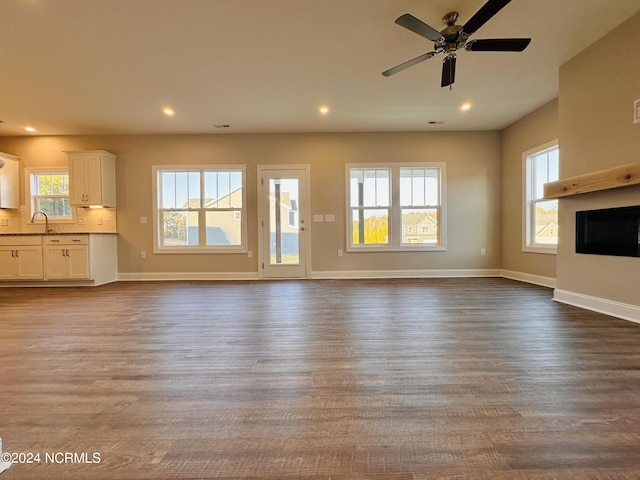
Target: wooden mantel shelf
{"x": 615, "y": 177}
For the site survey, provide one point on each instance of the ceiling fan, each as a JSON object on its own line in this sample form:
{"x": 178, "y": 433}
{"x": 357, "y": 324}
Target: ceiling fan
{"x": 454, "y": 37}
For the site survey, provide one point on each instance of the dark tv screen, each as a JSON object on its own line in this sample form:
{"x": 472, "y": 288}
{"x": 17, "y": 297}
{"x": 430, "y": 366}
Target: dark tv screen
{"x": 612, "y": 231}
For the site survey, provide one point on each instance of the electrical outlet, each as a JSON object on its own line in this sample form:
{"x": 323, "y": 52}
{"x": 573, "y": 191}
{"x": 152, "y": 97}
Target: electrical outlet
{"x": 483, "y": 251}
{"x": 249, "y": 254}
{"x": 4, "y": 222}
{"x": 636, "y": 111}
{"x": 340, "y": 253}
{"x": 143, "y": 255}
{"x": 82, "y": 221}
{"x": 143, "y": 220}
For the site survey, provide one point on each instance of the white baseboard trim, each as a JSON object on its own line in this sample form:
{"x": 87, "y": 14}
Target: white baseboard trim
{"x": 174, "y": 276}
{"x": 316, "y": 275}
{"x": 600, "y": 305}
{"x": 446, "y": 273}
{"x": 530, "y": 278}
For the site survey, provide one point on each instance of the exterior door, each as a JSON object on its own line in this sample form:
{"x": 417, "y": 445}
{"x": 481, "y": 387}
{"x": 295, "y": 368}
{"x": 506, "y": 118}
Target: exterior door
{"x": 284, "y": 228}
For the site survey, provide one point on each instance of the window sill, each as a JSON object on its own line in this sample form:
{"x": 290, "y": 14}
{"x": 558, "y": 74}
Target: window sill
{"x": 378, "y": 249}
{"x": 539, "y": 249}
{"x": 198, "y": 250}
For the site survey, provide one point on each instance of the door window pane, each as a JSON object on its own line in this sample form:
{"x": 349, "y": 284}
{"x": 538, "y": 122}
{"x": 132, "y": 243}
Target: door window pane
{"x": 284, "y": 232}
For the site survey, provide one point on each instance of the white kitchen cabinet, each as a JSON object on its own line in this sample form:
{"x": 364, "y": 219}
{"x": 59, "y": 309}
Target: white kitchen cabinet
{"x": 21, "y": 258}
{"x": 66, "y": 257}
{"x": 92, "y": 178}
{"x": 9, "y": 168}
{"x": 86, "y": 259}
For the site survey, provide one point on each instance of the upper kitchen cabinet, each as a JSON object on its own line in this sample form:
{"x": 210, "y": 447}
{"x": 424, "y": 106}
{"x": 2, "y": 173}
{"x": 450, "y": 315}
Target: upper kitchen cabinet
{"x": 9, "y": 195}
{"x": 92, "y": 178}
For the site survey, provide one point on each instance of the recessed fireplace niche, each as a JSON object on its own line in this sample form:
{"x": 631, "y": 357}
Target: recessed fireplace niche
{"x": 611, "y": 231}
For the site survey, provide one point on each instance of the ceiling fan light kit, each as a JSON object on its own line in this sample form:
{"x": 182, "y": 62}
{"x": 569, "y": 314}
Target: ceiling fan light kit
{"x": 454, "y": 37}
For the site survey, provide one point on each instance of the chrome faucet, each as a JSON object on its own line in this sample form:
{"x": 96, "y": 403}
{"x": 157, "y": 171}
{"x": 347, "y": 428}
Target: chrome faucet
{"x": 46, "y": 221}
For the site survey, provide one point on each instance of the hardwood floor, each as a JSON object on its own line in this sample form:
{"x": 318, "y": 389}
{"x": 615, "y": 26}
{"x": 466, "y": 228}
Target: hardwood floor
{"x": 317, "y": 380}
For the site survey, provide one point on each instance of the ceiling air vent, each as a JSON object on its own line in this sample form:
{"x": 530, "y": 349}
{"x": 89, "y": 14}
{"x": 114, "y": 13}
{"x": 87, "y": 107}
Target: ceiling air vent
{"x": 636, "y": 111}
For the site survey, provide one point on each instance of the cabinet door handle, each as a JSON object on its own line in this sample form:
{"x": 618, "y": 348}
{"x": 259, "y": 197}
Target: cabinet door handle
{"x": 17, "y": 253}
{"x": 67, "y": 252}
{"x": 13, "y": 253}
{"x": 62, "y": 252}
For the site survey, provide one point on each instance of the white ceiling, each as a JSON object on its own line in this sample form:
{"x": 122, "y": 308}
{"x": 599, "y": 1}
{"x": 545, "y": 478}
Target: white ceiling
{"x": 110, "y": 66}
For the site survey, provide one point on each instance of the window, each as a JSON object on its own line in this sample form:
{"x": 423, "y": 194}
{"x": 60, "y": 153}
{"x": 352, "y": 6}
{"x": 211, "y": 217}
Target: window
{"x": 49, "y": 193}
{"x": 393, "y": 207}
{"x": 541, "y": 216}
{"x": 200, "y": 209}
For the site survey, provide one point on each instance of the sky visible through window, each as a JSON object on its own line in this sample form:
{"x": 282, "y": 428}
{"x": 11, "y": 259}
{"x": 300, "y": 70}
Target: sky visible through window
{"x": 182, "y": 189}
{"x": 418, "y": 187}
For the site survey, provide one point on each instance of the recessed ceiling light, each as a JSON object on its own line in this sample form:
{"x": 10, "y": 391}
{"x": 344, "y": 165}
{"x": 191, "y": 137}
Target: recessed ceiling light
{"x": 168, "y": 111}
{"x": 465, "y": 106}
{"x": 324, "y": 109}
{"x": 29, "y": 129}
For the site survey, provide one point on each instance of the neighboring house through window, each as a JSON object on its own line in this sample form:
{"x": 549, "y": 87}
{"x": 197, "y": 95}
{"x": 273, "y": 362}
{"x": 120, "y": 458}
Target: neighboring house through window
{"x": 200, "y": 209}
{"x": 540, "y": 232}
{"x": 395, "y": 207}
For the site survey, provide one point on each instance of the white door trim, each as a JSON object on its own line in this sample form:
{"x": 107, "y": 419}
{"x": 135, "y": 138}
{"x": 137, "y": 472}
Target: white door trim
{"x": 304, "y": 215}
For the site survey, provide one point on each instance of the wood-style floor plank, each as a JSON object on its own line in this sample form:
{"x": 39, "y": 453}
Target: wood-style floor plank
{"x": 317, "y": 380}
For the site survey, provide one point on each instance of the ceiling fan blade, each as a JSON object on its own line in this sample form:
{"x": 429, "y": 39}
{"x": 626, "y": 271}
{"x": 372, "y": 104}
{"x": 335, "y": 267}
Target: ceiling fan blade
{"x": 418, "y": 26}
{"x": 407, "y": 64}
{"x": 498, "y": 45}
{"x": 448, "y": 71}
{"x": 483, "y": 15}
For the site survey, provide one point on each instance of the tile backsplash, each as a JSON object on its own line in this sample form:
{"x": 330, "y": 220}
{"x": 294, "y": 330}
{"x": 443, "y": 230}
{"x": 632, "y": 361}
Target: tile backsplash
{"x": 86, "y": 220}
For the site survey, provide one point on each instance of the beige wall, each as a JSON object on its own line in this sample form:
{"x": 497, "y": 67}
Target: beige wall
{"x": 473, "y": 191}
{"x": 597, "y": 91}
{"x": 533, "y": 130}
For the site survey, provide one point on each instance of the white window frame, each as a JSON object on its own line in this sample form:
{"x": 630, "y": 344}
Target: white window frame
{"x": 394, "y": 243}
{"x": 31, "y": 195}
{"x": 197, "y": 249}
{"x": 528, "y": 204}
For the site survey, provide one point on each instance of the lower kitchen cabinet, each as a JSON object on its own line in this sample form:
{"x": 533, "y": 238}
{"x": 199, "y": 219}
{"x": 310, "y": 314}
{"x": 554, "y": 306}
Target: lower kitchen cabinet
{"x": 82, "y": 259}
{"x": 21, "y": 258}
{"x": 66, "y": 257}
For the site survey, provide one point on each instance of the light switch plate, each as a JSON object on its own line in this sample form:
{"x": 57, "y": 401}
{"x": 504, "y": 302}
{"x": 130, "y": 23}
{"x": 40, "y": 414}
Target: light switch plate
{"x": 330, "y": 218}
{"x": 317, "y": 218}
